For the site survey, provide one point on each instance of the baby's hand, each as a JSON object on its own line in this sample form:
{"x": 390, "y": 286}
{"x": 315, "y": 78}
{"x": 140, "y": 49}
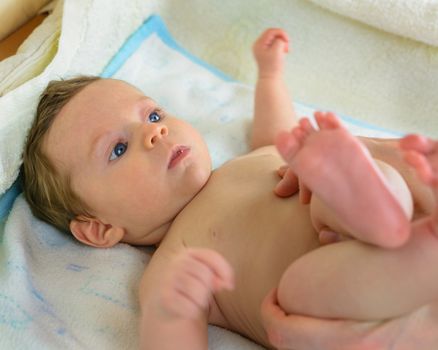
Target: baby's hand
{"x": 191, "y": 280}
{"x": 269, "y": 50}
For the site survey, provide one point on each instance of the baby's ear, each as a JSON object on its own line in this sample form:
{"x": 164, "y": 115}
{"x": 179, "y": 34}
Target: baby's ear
{"x": 95, "y": 233}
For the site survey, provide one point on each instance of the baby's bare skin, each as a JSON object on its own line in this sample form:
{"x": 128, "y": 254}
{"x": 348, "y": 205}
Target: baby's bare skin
{"x": 416, "y": 329}
{"x": 259, "y": 250}
{"x": 335, "y": 165}
{"x": 146, "y": 174}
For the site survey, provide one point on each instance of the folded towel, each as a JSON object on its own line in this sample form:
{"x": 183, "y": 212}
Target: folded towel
{"x": 14, "y": 13}
{"x": 34, "y": 54}
{"x": 414, "y": 19}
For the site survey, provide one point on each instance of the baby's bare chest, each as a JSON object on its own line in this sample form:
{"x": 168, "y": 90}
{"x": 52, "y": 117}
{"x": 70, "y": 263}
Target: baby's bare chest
{"x": 260, "y": 234}
{"x": 238, "y": 211}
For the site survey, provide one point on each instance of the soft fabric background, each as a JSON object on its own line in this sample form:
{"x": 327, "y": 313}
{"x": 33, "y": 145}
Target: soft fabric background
{"x": 335, "y": 62}
{"x": 415, "y": 19}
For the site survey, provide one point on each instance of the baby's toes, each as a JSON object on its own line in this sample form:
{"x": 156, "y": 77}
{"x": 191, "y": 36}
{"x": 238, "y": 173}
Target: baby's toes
{"x": 327, "y": 120}
{"x": 333, "y": 121}
{"x": 306, "y": 126}
{"x": 288, "y": 145}
{"x": 300, "y": 134}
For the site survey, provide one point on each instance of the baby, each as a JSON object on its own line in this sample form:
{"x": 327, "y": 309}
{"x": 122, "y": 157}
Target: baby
{"x": 106, "y": 163}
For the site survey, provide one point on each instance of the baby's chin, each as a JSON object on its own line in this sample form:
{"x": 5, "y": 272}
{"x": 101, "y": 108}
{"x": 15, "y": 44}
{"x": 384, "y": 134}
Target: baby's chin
{"x": 177, "y": 205}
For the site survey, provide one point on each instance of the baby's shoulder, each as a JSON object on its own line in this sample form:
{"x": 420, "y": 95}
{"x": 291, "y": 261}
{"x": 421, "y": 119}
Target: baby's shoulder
{"x": 164, "y": 253}
{"x": 259, "y": 156}
{"x": 260, "y": 161}
{"x": 266, "y": 150}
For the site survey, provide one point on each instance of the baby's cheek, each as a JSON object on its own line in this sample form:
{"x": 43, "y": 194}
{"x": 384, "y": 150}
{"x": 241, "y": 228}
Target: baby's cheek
{"x": 198, "y": 177}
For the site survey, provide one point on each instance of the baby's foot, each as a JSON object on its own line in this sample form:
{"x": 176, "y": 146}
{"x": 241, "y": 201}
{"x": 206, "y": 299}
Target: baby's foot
{"x": 339, "y": 169}
{"x": 422, "y": 154}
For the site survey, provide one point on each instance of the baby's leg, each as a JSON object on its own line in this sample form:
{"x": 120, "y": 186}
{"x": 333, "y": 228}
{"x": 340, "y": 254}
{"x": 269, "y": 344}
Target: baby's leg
{"x": 339, "y": 170}
{"x": 355, "y": 280}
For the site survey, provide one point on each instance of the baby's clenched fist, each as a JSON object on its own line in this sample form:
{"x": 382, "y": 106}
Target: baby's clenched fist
{"x": 269, "y": 50}
{"x": 191, "y": 280}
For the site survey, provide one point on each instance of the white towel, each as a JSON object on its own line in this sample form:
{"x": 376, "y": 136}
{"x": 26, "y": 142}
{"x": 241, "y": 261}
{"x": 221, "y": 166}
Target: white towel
{"x": 55, "y": 293}
{"x": 14, "y": 13}
{"x": 414, "y": 19}
{"x": 33, "y": 55}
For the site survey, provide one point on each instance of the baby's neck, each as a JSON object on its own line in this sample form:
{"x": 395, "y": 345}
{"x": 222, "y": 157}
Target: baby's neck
{"x": 161, "y": 231}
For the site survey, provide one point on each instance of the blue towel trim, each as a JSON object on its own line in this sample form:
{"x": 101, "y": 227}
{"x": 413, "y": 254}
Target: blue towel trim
{"x": 365, "y": 125}
{"x": 154, "y": 24}
{"x": 8, "y": 198}
{"x": 356, "y": 122}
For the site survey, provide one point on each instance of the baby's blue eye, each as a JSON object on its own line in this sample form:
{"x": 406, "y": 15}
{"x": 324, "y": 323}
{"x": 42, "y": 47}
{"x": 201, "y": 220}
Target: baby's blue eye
{"x": 118, "y": 150}
{"x": 154, "y": 117}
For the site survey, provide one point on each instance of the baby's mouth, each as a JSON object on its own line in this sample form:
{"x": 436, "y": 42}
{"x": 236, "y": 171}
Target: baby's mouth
{"x": 178, "y": 153}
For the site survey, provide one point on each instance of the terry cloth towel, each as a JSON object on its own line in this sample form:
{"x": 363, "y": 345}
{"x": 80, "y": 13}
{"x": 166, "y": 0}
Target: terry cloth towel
{"x": 414, "y": 19}
{"x": 335, "y": 63}
{"x": 56, "y": 293}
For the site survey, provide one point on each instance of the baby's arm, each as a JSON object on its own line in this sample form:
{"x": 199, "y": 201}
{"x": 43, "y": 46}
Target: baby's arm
{"x": 273, "y": 109}
{"x": 175, "y": 295}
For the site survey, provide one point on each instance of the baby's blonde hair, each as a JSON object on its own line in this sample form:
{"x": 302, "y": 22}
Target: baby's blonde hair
{"x": 49, "y": 194}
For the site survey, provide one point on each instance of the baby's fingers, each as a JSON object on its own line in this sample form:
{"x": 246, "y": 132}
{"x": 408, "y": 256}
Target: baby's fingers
{"x": 222, "y": 272}
{"x": 288, "y": 185}
{"x": 195, "y": 289}
{"x": 178, "y": 302}
{"x": 417, "y": 143}
{"x": 281, "y": 171}
{"x": 271, "y": 37}
{"x": 280, "y": 46}
{"x": 192, "y": 279}
{"x": 421, "y": 165}
{"x": 273, "y": 34}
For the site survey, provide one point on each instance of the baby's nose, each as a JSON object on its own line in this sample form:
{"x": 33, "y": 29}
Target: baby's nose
{"x": 157, "y": 132}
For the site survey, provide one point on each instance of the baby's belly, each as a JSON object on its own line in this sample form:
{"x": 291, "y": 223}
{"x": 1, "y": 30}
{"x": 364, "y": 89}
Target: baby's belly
{"x": 259, "y": 243}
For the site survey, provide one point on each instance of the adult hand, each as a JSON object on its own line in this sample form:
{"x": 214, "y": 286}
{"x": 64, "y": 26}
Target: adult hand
{"x": 290, "y": 184}
{"x": 417, "y": 330}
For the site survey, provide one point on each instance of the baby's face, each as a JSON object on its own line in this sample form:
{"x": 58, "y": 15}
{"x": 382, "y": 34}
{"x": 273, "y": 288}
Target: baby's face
{"x": 133, "y": 164}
